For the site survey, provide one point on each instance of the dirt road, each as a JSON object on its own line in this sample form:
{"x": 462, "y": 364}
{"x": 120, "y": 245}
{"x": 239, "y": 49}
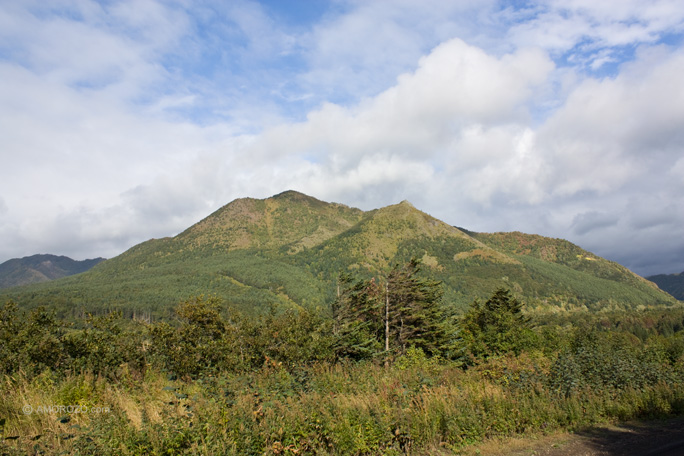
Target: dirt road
{"x": 653, "y": 438}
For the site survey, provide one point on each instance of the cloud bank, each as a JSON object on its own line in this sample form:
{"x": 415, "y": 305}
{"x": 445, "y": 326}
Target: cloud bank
{"x": 132, "y": 120}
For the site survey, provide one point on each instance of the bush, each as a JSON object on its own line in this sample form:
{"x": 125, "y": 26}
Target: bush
{"x": 496, "y": 328}
{"x": 204, "y": 342}
{"x": 104, "y": 348}
{"x": 598, "y": 360}
{"x": 30, "y": 343}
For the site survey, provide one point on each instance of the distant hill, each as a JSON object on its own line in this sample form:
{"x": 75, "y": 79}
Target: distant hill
{"x": 287, "y": 251}
{"x": 671, "y": 283}
{"x": 41, "y": 268}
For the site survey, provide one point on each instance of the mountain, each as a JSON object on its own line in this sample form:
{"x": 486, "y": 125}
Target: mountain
{"x": 670, "y": 283}
{"x": 550, "y": 274}
{"x": 41, "y": 268}
{"x": 289, "y": 219}
{"x": 287, "y": 251}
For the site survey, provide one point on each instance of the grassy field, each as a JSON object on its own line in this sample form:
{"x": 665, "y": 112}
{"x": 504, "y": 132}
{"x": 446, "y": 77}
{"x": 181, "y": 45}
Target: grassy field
{"x": 207, "y": 383}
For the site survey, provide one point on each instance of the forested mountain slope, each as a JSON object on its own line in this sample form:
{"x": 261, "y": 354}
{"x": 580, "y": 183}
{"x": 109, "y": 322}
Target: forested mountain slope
{"x": 670, "y": 283}
{"x": 41, "y": 268}
{"x": 287, "y": 251}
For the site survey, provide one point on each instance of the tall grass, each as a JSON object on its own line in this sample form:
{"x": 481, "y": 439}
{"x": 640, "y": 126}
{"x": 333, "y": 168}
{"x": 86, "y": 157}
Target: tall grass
{"x": 324, "y": 409}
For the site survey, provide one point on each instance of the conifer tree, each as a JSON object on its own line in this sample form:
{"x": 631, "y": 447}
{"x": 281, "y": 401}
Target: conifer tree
{"x": 388, "y": 316}
{"x": 497, "y": 327}
{"x": 414, "y": 314}
{"x": 356, "y": 314}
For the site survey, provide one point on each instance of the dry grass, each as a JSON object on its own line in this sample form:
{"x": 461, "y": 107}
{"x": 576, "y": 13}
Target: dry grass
{"x": 354, "y": 409}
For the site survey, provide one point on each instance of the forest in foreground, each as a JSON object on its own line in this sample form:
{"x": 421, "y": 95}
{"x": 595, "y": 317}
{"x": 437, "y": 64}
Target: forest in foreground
{"x": 388, "y": 371}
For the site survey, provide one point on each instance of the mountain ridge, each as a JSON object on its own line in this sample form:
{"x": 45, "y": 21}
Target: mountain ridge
{"x": 41, "y": 268}
{"x": 288, "y": 250}
{"x": 670, "y": 283}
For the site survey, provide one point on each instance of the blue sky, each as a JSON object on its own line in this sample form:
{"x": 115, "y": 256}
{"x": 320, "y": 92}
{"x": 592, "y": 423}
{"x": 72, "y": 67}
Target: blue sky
{"x": 126, "y": 120}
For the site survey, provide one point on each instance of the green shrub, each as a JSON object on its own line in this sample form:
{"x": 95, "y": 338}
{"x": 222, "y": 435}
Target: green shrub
{"x": 496, "y": 327}
{"x": 601, "y": 360}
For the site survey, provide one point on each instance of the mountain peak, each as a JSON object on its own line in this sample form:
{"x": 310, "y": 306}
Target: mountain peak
{"x": 292, "y": 195}
{"x": 41, "y": 268}
{"x": 287, "y": 218}
{"x": 295, "y": 197}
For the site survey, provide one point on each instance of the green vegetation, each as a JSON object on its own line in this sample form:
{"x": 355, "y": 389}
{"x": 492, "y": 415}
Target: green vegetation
{"x": 387, "y": 318}
{"x": 211, "y": 380}
{"x": 497, "y": 327}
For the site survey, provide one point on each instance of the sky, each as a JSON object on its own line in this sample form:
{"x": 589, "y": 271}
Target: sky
{"x": 122, "y": 121}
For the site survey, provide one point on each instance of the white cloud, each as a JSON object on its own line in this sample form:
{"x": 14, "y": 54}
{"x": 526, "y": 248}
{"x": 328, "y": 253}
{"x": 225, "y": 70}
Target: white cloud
{"x": 455, "y": 86}
{"x": 499, "y": 164}
{"x": 102, "y": 106}
{"x": 592, "y": 33}
{"x": 613, "y": 132}
{"x": 92, "y": 47}
{"x": 360, "y": 52}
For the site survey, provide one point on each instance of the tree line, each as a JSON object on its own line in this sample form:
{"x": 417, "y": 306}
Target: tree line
{"x": 376, "y": 319}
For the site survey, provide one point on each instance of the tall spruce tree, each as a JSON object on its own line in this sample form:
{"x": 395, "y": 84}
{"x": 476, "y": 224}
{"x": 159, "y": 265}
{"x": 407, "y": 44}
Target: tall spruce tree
{"x": 388, "y": 316}
{"x": 357, "y": 319}
{"x": 497, "y": 327}
{"x": 414, "y": 313}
